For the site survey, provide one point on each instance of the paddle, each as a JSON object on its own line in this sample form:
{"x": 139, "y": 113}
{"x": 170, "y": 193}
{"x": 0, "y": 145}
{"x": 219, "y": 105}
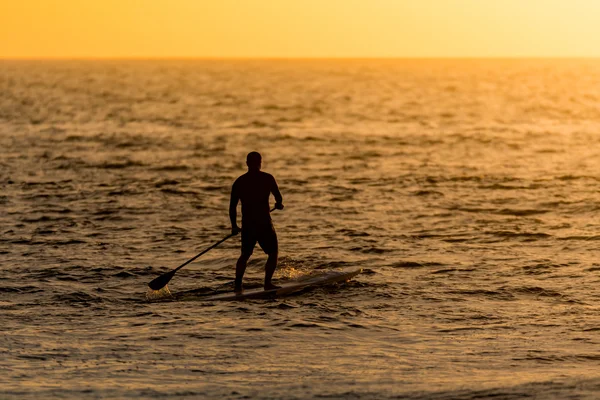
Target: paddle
{"x": 161, "y": 281}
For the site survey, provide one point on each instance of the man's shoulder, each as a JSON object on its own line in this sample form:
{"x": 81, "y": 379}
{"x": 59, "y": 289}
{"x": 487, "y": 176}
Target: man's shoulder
{"x": 239, "y": 180}
{"x": 267, "y": 175}
{"x": 241, "y": 177}
{"x": 262, "y": 175}
{"x": 255, "y": 177}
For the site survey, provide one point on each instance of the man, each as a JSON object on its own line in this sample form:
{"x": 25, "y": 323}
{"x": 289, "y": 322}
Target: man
{"x": 253, "y": 189}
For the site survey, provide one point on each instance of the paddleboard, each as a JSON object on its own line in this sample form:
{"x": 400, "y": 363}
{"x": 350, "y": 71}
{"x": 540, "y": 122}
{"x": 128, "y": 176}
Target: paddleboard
{"x": 312, "y": 280}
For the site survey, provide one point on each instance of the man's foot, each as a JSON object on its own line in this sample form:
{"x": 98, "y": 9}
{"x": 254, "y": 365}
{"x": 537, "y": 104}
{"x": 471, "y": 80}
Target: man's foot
{"x": 238, "y": 289}
{"x": 270, "y": 286}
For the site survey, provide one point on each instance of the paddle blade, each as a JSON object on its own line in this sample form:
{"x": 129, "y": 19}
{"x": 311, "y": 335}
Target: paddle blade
{"x": 161, "y": 281}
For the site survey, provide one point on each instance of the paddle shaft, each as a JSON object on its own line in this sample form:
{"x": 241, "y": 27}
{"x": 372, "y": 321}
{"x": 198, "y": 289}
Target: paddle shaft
{"x": 205, "y": 251}
{"x": 198, "y": 255}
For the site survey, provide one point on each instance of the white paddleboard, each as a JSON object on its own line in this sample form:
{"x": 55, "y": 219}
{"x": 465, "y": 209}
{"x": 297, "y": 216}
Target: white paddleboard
{"x": 321, "y": 279}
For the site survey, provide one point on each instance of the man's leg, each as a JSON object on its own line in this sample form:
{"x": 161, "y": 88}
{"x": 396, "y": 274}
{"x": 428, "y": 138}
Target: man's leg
{"x": 269, "y": 270}
{"x": 248, "y": 243}
{"x": 268, "y": 242}
{"x": 240, "y": 268}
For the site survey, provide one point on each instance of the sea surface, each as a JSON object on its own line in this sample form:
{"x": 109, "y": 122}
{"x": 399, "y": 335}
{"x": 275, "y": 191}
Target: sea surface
{"x": 467, "y": 190}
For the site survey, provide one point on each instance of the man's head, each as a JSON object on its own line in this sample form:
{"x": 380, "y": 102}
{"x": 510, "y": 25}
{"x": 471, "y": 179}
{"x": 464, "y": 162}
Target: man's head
{"x": 254, "y": 161}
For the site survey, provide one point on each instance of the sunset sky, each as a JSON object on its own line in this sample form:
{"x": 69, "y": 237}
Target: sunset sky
{"x": 299, "y": 28}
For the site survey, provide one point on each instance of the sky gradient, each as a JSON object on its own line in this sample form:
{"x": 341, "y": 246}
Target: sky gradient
{"x": 298, "y": 28}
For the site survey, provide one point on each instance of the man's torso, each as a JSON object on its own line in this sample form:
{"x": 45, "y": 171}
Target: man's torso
{"x": 254, "y": 188}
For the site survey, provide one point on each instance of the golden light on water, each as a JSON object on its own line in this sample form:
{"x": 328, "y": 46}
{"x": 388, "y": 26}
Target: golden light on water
{"x": 161, "y": 294}
{"x": 299, "y": 28}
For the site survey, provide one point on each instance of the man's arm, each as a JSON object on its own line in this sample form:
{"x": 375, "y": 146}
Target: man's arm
{"x": 233, "y": 202}
{"x": 277, "y": 195}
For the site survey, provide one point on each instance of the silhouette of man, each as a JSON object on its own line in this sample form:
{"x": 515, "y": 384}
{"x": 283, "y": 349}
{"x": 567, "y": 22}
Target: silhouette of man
{"x": 253, "y": 189}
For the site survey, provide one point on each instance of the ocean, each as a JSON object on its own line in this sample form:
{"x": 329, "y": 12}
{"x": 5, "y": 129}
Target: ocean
{"x": 467, "y": 190}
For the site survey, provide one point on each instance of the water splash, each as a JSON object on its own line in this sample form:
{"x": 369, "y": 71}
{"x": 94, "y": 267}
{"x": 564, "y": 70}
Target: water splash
{"x": 288, "y": 272}
{"x": 161, "y": 294}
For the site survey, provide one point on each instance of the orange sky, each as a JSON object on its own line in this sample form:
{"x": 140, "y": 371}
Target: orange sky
{"x": 299, "y": 28}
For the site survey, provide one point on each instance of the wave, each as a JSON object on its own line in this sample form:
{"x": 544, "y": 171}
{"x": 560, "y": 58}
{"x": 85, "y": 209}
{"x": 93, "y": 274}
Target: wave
{"x": 523, "y": 236}
{"x": 499, "y": 294}
{"x": 77, "y": 297}
{"x": 537, "y": 291}
{"x": 119, "y": 164}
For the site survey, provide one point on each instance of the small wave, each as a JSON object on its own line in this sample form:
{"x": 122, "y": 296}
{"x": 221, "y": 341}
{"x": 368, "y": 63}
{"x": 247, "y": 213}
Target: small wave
{"x": 118, "y": 164}
{"x": 172, "y": 168}
{"x": 352, "y": 233}
{"x": 501, "y": 186}
{"x": 27, "y": 289}
{"x": 427, "y": 193}
{"x": 497, "y": 294}
{"x": 21, "y": 241}
{"x": 407, "y": 264}
{"x": 75, "y": 138}
{"x": 355, "y": 325}
{"x": 335, "y": 264}
{"x": 110, "y": 217}
{"x": 577, "y": 177}
{"x": 124, "y": 192}
{"x": 124, "y": 274}
{"x": 284, "y": 120}
{"x": 370, "y": 250}
{"x": 215, "y": 188}
{"x": 34, "y": 357}
{"x": 43, "y": 274}
{"x": 473, "y": 178}
{"x": 525, "y": 236}
{"x": 540, "y": 268}
{"x": 365, "y": 155}
{"x": 200, "y": 292}
{"x": 559, "y": 358}
{"x": 481, "y": 210}
{"x": 71, "y": 163}
{"x": 166, "y": 182}
{"x": 254, "y": 124}
{"x": 522, "y": 212}
{"x": 180, "y": 192}
{"x": 34, "y": 184}
{"x": 43, "y": 218}
{"x": 585, "y": 238}
{"x": 76, "y": 298}
{"x": 67, "y": 278}
{"x": 449, "y": 270}
{"x": 414, "y": 264}
{"x": 462, "y": 329}
{"x": 105, "y": 211}
{"x": 305, "y": 325}
{"x": 314, "y": 139}
{"x": 594, "y": 329}
{"x": 10, "y": 290}
{"x": 537, "y": 291}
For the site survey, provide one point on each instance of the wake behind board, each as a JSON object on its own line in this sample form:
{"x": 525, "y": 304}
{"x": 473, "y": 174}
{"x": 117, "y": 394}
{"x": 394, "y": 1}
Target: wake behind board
{"x": 322, "y": 279}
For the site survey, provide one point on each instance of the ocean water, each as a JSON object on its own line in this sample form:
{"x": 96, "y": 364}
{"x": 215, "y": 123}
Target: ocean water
{"x": 467, "y": 190}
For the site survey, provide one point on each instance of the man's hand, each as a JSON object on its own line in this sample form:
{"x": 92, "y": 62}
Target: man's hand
{"x": 279, "y": 206}
{"x": 235, "y": 230}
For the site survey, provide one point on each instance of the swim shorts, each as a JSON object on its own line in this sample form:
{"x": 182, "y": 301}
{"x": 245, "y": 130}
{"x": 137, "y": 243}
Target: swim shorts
{"x": 264, "y": 234}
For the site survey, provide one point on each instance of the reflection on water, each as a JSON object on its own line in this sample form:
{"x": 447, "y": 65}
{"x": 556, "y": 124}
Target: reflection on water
{"x": 160, "y": 294}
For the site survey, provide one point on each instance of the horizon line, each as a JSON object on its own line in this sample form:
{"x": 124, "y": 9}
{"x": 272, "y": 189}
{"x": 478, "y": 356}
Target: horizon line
{"x": 283, "y": 58}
